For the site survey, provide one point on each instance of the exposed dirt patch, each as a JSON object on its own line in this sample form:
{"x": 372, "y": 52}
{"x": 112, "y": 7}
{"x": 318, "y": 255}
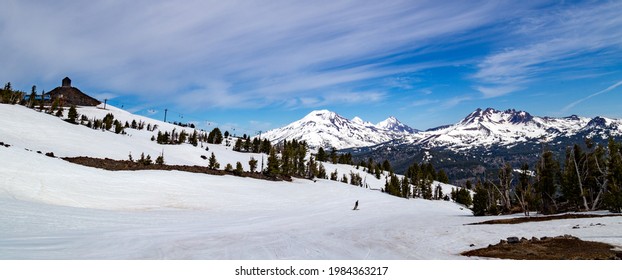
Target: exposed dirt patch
{"x": 547, "y": 248}
{"x": 542, "y": 218}
{"x": 126, "y": 165}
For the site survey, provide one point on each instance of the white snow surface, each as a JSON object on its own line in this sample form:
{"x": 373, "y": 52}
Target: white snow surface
{"x": 53, "y": 209}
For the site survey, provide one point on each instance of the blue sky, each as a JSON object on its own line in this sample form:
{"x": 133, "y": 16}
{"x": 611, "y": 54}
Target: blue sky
{"x": 257, "y": 65}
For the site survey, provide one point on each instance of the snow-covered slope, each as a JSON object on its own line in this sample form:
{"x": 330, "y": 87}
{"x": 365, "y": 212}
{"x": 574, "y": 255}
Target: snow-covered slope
{"x": 53, "y": 209}
{"x": 327, "y": 129}
{"x": 29, "y": 129}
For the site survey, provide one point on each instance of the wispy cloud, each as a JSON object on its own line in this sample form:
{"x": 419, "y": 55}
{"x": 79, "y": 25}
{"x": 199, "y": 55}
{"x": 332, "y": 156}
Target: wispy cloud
{"x": 491, "y": 92}
{"x": 567, "y": 38}
{"x": 577, "y": 102}
{"x": 455, "y": 101}
{"x": 424, "y": 102}
{"x": 342, "y": 98}
{"x": 263, "y": 52}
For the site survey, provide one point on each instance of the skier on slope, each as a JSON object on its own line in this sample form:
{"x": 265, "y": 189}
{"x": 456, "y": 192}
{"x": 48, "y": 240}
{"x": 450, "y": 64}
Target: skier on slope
{"x": 356, "y": 205}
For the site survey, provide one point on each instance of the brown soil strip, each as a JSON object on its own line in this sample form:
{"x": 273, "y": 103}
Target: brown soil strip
{"x": 542, "y": 218}
{"x": 126, "y": 165}
{"x": 552, "y": 248}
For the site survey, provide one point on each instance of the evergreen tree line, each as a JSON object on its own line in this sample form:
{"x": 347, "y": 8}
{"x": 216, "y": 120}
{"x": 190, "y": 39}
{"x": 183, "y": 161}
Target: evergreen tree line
{"x": 10, "y": 96}
{"x": 190, "y": 125}
{"x": 254, "y": 145}
{"x": 585, "y": 180}
{"x": 107, "y": 123}
{"x": 334, "y": 157}
{"x": 196, "y": 138}
{"x": 291, "y": 162}
{"x": 416, "y": 182}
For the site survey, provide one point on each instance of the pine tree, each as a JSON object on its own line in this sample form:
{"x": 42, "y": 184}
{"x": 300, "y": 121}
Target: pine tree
{"x": 256, "y": 145}
{"x": 573, "y": 178}
{"x": 266, "y": 146}
{"x": 463, "y": 196}
{"x": 212, "y": 162}
{"x": 252, "y": 164}
{"x": 547, "y": 182}
{"x": 54, "y": 106}
{"x": 273, "y": 164}
{"x": 59, "y": 113}
{"x": 118, "y": 128}
{"x": 321, "y": 155}
{"x": 194, "y": 139}
{"x": 505, "y": 181}
{"x": 160, "y": 160}
{"x": 247, "y": 145}
{"x": 108, "y": 121}
{"x": 215, "y": 136}
{"x": 392, "y": 186}
{"x": 333, "y": 155}
{"x": 301, "y": 153}
{"x": 344, "y": 179}
{"x": 286, "y": 159}
{"x": 228, "y": 167}
{"x": 405, "y": 187}
{"x": 182, "y": 137}
{"x": 321, "y": 173}
{"x": 333, "y": 175}
{"x": 238, "y": 145}
{"x": 239, "y": 170}
{"x": 144, "y": 160}
{"x": 312, "y": 170}
{"x": 355, "y": 179}
{"x": 377, "y": 172}
{"x": 33, "y": 96}
{"x": 524, "y": 190}
{"x": 613, "y": 198}
{"x": 480, "y": 201}
{"x": 438, "y": 192}
{"x": 386, "y": 166}
{"x": 442, "y": 177}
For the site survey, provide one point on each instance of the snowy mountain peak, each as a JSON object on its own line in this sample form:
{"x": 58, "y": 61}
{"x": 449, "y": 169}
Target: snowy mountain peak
{"x": 322, "y": 115}
{"x": 360, "y": 121}
{"x": 491, "y": 115}
{"x": 357, "y": 120}
{"x": 491, "y": 127}
{"x": 394, "y": 124}
{"x": 598, "y": 122}
{"x": 326, "y": 129}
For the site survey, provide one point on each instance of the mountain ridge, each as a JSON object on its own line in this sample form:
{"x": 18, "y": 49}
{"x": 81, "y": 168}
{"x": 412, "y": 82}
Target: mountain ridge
{"x": 482, "y": 127}
{"x": 327, "y": 129}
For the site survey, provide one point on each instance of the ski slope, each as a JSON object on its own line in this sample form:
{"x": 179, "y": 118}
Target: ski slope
{"x": 53, "y": 209}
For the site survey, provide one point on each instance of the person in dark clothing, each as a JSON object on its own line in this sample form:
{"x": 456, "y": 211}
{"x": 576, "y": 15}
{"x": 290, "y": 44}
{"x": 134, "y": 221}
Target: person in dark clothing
{"x": 356, "y": 205}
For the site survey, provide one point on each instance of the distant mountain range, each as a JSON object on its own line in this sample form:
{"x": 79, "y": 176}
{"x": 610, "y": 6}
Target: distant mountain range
{"x": 484, "y": 139}
{"x": 327, "y": 129}
{"x": 490, "y": 127}
{"x": 481, "y": 128}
